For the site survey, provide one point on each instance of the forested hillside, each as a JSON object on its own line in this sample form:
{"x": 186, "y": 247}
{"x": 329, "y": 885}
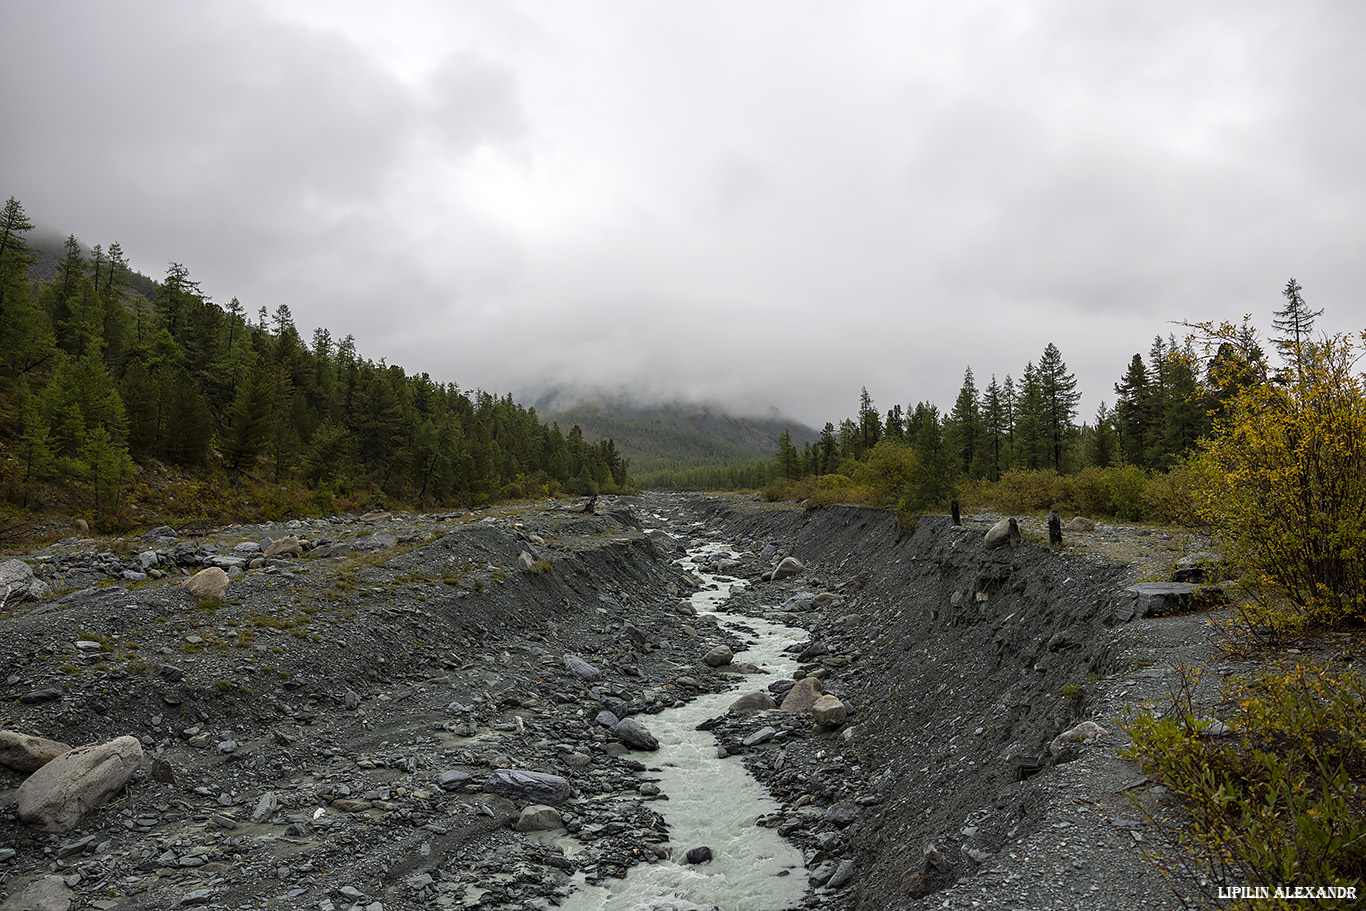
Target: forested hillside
{"x": 677, "y": 445}
{"x": 112, "y": 397}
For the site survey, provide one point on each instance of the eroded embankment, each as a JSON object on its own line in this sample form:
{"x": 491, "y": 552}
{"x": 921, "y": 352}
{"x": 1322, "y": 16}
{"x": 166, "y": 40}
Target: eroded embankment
{"x": 965, "y": 665}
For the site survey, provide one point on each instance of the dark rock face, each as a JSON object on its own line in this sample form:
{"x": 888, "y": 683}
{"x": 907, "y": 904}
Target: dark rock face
{"x": 1162, "y": 599}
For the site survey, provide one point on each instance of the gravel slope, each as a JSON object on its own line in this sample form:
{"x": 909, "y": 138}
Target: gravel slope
{"x": 329, "y": 731}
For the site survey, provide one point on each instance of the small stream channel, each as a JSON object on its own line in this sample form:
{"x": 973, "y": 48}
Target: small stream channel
{"x": 712, "y": 802}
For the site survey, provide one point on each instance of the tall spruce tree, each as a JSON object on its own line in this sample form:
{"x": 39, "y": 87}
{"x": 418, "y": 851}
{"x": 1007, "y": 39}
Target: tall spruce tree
{"x": 1058, "y": 404}
{"x": 965, "y": 427}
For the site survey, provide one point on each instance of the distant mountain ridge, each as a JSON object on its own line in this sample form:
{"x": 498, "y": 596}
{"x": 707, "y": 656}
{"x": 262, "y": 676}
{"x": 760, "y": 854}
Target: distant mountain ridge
{"x": 663, "y": 435}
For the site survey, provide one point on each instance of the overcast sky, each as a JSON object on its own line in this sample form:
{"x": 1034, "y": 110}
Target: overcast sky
{"x": 758, "y": 203}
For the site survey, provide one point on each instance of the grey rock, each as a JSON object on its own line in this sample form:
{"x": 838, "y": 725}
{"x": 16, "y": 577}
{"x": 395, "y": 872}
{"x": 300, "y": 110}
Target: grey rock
{"x": 47, "y": 893}
{"x": 265, "y": 807}
{"x": 535, "y": 787}
{"x": 452, "y": 780}
{"x": 1005, "y": 533}
{"x": 719, "y": 656}
{"x": 763, "y": 735}
{"x": 209, "y": 584}
{"x": 756, "y": 701}
{"x": 580, "y": 668}
{"x": 26, "y": 753}
{"x": 539, "y": 818}
{"x": 829, "y": 711}
{"x": 635, "y": 735}
{"x": 1160, "y": 599}
{"x": 842, "y": 814}
{"x": 802, "y": 696}
{"x": 17, "y": 583}
{"x": 790, "y": 566}
{"x": 288, "y": 546}
{"x": 380, "y": 540}
{"x": 699, "y": 855}
{"x": 57, "y": 796}
{"x": 842, "y": 875}
{"x": 47, "y": 694}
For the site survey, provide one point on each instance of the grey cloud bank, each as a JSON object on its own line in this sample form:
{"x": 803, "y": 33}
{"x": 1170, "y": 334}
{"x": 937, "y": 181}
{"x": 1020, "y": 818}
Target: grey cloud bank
{"x": 758, "y": 203}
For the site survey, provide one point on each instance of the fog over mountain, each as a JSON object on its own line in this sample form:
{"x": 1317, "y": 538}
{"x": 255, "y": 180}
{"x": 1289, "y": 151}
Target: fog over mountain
{"x": 767, "y": 204}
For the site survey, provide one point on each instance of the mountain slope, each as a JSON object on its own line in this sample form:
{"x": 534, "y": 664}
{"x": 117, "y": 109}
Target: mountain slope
{"x": 675, "y": 435}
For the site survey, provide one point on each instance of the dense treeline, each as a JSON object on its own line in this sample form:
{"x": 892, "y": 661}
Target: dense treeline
{"x": 1017, "y": 443}
{"x": 99, "y": 380}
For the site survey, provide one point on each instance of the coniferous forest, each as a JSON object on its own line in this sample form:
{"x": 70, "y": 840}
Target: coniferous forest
{"x": 126, "y": 400}
{"x": 1017, "y": 446}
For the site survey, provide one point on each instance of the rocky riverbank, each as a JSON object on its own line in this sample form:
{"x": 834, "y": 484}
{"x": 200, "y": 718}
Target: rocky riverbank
{"x": 364, "y": 719}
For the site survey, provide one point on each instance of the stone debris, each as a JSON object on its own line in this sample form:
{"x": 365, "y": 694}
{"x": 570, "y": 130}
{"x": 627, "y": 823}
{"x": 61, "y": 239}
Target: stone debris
{"x": 404, "y": 710}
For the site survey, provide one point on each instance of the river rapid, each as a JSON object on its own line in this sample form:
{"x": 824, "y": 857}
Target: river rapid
{"x": 712, "y": 802}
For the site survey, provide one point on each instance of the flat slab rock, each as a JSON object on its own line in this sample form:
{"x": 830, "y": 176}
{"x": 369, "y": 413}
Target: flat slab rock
{"x": 536, "y": 787}
{"x": 1161, "y": 599}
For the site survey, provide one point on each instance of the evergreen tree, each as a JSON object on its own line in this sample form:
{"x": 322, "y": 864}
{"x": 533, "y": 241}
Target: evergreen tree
{"x": 187, "y": 432}
{"x": 1185, "y": 413}
{"x": 1296, "y": 321}
{"x": 33, "y": 451}
{"x": 1030, "y": 422}
{"x": 789, "y": 463}
{"x": 20, "y": 332}
{"x": 965, "y": 427}
{"x": 250, "y": 419}
{"x": 1058, "y": 399}
{"x": 870, "y": 425}
{"x": 894, "y": 428}
{"x": 1102, "y": 446}
{"x": 827, "y": 447}
{"x": 935, "y": 481}
{"x": 1134, "y": 413}
{"x": 995, "y": 430}
{"x": 108, "y": 469}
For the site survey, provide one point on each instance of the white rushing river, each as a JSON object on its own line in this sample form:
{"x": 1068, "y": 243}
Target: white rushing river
{"x": 712, "y": 802}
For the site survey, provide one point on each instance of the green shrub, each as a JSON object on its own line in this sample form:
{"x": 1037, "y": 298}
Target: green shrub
{"x": 1282, "y": 801}
{"x": 1283, "y": 480}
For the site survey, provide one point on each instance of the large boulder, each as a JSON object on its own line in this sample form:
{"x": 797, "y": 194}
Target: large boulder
{"x": 289, "y": 546}
{"x": 380, "y": 540}
{"x": 17, "y": 583}
{"x": 802, "y": 696}
{"x": 1005, "y": 533}
{"x": 536, "y": 787}
{"x": 209, "y": 584}
{"x": 829, "y": 711}
{"x": 635, "y": 735}
{"x": 719, "y": 656}
{"x": 59, "y": 795}
{"x": 790, "y": 566}
{"x": 539, "y": 818}
{"x": 26, "y": 753}
{"x": 756, "y": 701}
